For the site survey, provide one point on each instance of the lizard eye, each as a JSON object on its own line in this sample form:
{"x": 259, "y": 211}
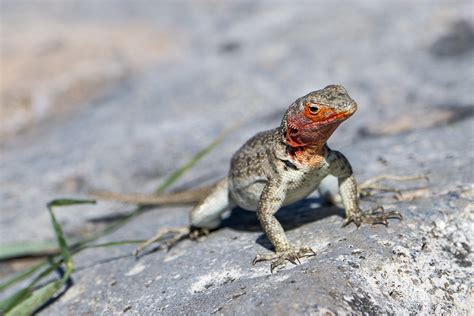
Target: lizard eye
{"x": 313, "y": 109}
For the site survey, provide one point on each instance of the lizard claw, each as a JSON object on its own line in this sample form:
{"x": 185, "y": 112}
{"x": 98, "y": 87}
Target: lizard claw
{"x": 292, "y": 255}
{"x": 376, "y": 215}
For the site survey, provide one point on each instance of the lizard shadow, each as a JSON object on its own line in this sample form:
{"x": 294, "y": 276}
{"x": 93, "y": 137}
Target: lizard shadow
{"x": 291, "y": 217}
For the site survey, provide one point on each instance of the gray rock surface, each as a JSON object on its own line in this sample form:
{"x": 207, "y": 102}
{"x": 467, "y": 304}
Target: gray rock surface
{"x": 409, "y": 66}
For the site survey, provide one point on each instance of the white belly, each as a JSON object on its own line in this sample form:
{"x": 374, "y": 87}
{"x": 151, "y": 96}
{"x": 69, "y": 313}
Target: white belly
{"x": 301, "y": 183}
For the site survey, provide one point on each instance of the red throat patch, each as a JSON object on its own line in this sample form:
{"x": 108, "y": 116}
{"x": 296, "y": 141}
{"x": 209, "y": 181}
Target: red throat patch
{"x": 306, "y": 138}
{"x": 307, "y": 156}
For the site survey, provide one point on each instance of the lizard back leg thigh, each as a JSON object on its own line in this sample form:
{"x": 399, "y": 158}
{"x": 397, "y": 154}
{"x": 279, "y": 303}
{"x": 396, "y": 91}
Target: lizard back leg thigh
{"x": 329, "y": 190}
{"x": 207, "y": 213}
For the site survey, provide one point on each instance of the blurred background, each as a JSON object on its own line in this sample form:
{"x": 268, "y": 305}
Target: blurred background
{"x": 116, "y": 94}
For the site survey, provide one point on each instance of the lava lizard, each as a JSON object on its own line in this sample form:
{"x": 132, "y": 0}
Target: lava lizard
{"x": 276, "y": 168}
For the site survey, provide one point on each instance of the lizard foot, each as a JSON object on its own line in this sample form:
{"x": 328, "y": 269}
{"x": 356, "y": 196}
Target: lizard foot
{"x": 376, "y": 215}
{"x": 372, "y": 185}
{"x": 171, "y": 236}
{"x": 292, "y": 255}
{"x": 168, "y": 236}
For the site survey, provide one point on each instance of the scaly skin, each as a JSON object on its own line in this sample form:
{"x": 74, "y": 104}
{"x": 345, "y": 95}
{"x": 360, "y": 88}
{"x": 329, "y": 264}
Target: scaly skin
{"x": 284, "y": 165}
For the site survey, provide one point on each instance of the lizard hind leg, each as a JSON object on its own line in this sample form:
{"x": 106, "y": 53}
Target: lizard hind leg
{"x": 208, "y": 213}
{"x": 329, "y": 191}
{"x": 370, "y": 186}
{"x": 169, "y": 236}
{"x": 205, "y": 216}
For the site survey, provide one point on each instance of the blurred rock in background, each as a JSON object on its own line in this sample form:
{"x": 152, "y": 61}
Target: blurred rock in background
{"x": 49, "y": 64}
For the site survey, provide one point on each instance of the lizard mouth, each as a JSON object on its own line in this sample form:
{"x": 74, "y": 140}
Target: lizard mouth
{"x": 338, "y": 117}
{"x": 302, "y": 123}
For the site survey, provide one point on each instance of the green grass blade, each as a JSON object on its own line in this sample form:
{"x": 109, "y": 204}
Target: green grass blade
{"x": 21, "y": 295}
{"x": 59, "y": 232}
{"x": 26, "y": 301}
{"x": 24, "y": 249}
{"x": 36, "y": 299}
{"x": 68, "y": 202}
{"x": 21, "y": 276}
{"x": 116, "y": 243}
{"x": 11, "y": 301}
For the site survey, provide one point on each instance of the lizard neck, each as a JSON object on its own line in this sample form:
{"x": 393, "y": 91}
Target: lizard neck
{"x": 311, "y": 156}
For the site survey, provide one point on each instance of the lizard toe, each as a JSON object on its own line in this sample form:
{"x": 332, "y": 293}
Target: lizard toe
{"x": 375, "y": 216}
{"x": 292, "y": 255}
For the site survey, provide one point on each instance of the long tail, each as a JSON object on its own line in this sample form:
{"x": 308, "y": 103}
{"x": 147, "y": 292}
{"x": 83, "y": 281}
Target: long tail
{"x": 191, "y": 196}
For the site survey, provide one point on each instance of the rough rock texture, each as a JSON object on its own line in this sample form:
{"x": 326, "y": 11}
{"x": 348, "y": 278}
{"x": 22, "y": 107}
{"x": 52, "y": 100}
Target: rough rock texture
{"x": 409, "y": 66}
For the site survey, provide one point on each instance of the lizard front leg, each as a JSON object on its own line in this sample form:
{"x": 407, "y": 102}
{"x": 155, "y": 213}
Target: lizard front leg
{"x": 271, "y": 200}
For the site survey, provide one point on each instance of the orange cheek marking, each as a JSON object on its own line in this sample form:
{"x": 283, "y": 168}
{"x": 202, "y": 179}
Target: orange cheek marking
{"x": 323, "y": 114}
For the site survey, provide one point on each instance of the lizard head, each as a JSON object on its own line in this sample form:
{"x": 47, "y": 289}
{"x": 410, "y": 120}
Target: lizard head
{"x": 311, "y": 120}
